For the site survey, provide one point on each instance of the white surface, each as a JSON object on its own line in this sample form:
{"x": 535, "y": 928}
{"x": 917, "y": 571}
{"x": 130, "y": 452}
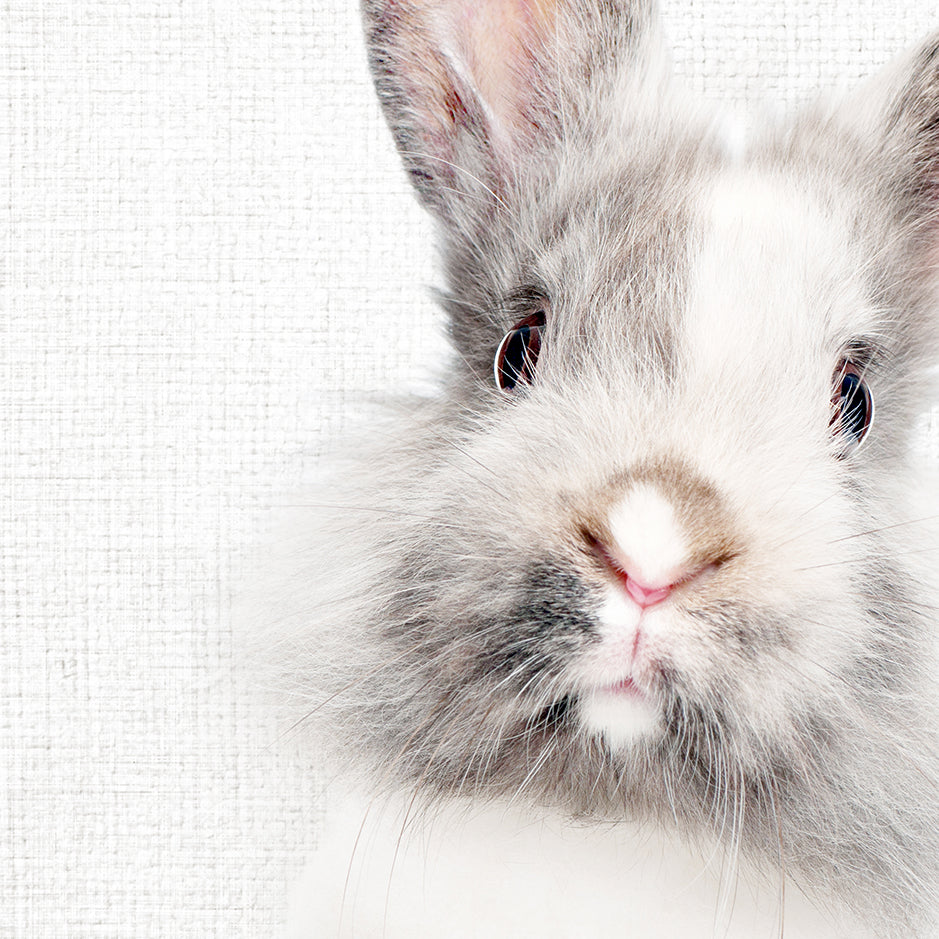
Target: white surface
{"x": 208, "y": 251}
{"x": 433, "y": 877}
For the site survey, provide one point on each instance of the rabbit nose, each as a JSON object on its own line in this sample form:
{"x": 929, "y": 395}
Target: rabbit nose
{"x": 645, "y": 596}
{"x": 646, "y": 593}
{"x": 652, "y": 543}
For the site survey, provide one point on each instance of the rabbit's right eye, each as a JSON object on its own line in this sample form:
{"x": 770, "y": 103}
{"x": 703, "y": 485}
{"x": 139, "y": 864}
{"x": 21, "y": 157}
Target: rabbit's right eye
{"x": 852, "y": 406}
{"x": 517, "y": 354}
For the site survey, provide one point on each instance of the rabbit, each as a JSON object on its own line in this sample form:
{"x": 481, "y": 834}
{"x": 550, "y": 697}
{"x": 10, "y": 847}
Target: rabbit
{"x": 631, "y": 629}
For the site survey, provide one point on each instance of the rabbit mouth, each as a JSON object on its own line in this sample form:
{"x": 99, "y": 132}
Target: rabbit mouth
{"x": 628, "y": 688}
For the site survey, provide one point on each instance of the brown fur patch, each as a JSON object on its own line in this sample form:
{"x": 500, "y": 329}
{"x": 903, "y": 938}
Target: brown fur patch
{"x": 705, "y": 520}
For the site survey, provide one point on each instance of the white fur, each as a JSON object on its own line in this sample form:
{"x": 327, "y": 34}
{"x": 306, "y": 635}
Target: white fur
{"x": 619, "y": 718}
{"x": 748, "y": 300}
{"x": 647, "y": 539}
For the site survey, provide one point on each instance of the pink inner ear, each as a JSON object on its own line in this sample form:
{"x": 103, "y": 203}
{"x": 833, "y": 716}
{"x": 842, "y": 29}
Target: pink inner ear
{"x": 496, "y": 44}
{"x": 463, "y": 86}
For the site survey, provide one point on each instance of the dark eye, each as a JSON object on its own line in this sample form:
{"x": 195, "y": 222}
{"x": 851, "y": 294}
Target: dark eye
{"x": 517, "y": 354}
{"x": 852, "y": 407}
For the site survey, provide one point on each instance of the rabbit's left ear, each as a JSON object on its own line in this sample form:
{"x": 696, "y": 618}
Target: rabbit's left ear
{"x": 897, "y": 112}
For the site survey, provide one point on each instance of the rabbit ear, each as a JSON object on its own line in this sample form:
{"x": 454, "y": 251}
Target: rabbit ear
{"x": 913, "y": 127}
{"x": 473, "y": 87}
{"x": 898, "y": 113}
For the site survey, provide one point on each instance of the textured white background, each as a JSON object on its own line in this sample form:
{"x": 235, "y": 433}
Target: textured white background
{"x": 207, "y": 249}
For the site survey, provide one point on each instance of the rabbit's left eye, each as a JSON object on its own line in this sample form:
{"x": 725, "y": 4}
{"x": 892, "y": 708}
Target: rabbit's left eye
{"x": 852, "y": 407}
{"x": 517, "y": 354}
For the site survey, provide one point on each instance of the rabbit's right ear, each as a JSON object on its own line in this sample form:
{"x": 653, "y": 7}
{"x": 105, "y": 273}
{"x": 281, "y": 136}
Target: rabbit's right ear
{"x": 475, "y": 89}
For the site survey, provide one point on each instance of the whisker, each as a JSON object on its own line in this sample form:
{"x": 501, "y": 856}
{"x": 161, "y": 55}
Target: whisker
{"x": 859, "y": 559}
{"x": 876, "y": 531}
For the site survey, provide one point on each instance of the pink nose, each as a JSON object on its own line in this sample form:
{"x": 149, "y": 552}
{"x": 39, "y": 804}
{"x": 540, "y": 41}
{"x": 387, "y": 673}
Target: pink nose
{"x": 645, "y": 596}
{"x": 623, "y": 569}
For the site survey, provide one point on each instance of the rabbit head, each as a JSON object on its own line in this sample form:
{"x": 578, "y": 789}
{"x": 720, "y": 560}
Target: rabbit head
{"x": 653, "y": 553}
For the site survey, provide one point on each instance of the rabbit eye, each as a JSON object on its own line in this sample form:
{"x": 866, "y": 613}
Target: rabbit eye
{"x": 852, "y": 407}
{"x": 517, "y": 354}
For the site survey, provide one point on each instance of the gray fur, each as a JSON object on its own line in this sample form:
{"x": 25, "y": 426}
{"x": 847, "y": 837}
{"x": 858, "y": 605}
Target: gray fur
{"x": 447, "y": 602}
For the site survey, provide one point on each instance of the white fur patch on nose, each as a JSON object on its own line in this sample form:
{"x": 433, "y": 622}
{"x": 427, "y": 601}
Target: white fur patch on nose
{"x": 647, "y": 537}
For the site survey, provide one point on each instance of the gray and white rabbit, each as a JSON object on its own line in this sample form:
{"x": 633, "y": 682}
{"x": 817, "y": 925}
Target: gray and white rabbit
{"x": 632, "y": 630}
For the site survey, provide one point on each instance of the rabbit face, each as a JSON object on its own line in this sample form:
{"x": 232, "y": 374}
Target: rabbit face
{"x": 676, "y": 435}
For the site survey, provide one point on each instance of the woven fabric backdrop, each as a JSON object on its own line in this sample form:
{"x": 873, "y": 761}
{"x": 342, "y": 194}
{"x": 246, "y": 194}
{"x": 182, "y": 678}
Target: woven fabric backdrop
{"x": 208, "y": 254}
